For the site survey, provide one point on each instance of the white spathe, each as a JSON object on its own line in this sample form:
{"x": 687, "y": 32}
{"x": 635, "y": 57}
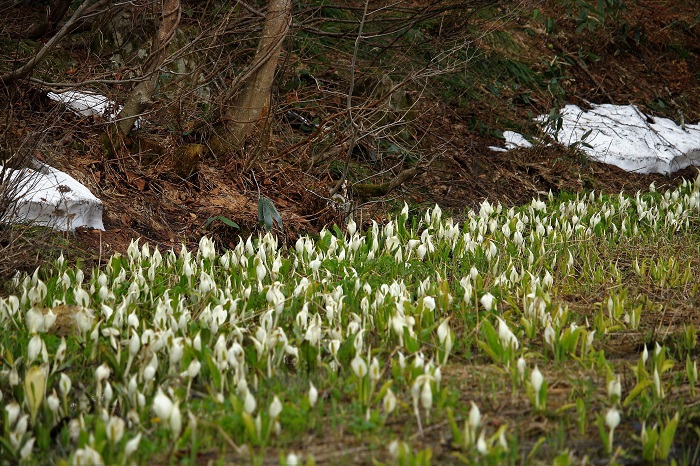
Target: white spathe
{"x": 623, "y": 136}
{"x": 49, "y": 197}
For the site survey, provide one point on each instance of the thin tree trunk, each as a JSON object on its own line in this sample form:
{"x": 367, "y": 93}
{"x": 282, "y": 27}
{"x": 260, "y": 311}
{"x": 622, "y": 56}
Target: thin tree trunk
{"x": 245, "y": 109}
{"x": 142, "y": 93}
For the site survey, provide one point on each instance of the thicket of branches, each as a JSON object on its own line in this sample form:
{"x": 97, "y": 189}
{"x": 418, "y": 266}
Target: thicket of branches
{"x": 335, "y": 82}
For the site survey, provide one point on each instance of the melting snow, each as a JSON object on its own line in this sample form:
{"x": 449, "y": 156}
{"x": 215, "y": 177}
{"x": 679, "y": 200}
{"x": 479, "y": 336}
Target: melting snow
{"x": 90, "y": 104}
{"x": 623, "y": 136}
{"x": 50, "y": 197}
{"x": 87, "y": 103}
{"x": 513, "y": 140}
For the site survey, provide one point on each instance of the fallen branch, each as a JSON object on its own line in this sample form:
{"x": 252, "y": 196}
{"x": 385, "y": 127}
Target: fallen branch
{"x": 369, "y": 190}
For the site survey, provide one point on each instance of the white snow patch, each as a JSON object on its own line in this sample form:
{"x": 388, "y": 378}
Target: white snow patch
{"x": 513, "y": 141}
{"x": 87, "y": 103}
{"x": 90, "y": 104}
{"x": 47, "y": 196}
{"x": 623, "y": 136}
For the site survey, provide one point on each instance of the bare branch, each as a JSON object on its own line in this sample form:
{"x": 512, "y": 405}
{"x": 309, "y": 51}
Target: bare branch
{"x": 25, "y": 70}
{"x": 353, "y": 127}
{"x": 55, "y": 85}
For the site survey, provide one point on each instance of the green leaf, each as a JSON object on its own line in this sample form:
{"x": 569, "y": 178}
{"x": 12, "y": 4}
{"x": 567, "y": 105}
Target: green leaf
{"x": 563, "y": 459}
{"x": 666, "y": 438}
{"x": 636, "y": 391}
{"x": 347, "y": 350}
{"x": 603, "y": 433}
{"x": 310, "y": 355}
{"x": 267, "y": 213}
{"x": 493, "y": 341}
{"x": 649, "y": 447}
{"x": 456, "y": 433}
{"x": 423, "y": 457}
{"x": 411, "y": 344}
{"x": 226, "y": 221}
{"x": 213, "y": 370}
{"x": 7, "y": 448}
{"x": 487, "y": 349}
{"x": 250, "y": 429}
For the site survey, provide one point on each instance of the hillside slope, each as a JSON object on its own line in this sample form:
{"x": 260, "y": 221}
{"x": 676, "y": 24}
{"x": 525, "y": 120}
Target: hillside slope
{"x": 516, "y": 61}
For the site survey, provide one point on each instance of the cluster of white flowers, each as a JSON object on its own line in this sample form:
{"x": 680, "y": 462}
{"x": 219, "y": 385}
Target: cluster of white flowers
{"x": 166, "y": 319}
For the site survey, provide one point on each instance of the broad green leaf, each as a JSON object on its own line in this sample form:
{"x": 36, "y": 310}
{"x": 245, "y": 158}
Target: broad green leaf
{"x": 267, "y": 213}
{"x": 250, "y": 427}
{"x": 649, "y": 447}
{"x": 666, "y": 438}
{"x": 636, "y": 391}
{"x": 411, "y": 344}
{"x": 487, "y": 349}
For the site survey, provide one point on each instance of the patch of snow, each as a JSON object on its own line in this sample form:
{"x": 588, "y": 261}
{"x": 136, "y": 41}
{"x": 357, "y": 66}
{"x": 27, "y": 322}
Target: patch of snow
{"x": 514, "y": 140}
{"x": 623, "y": 136}
{"x": 89, "y": 104}
{"x": 49, "y": 197}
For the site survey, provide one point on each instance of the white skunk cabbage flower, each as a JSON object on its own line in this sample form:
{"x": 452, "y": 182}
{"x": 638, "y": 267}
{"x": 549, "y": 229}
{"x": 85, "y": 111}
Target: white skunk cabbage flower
{"x": 313, "y": 395}
{"x": 275, "y": 408}
{"x": 487, "y": 301}
{"x": 389, "y": 401}
{"x": 359, "y": 366}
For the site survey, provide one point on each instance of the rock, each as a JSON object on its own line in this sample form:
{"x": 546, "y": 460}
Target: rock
{"x": 49, "y": 197}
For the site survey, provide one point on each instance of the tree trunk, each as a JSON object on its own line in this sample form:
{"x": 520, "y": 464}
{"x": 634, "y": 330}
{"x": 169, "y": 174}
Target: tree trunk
{"x": 141, "y": 95}
{"x": 245, "y": 109}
